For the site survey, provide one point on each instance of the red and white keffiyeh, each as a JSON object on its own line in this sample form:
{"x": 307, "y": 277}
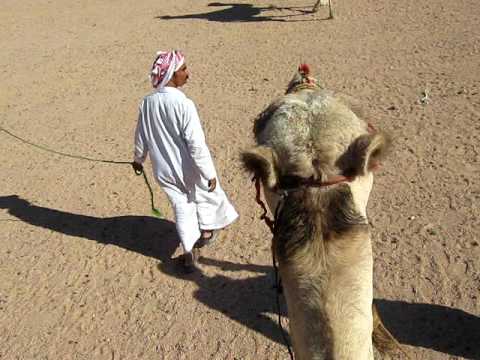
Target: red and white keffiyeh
{"x": 165, "y": 64}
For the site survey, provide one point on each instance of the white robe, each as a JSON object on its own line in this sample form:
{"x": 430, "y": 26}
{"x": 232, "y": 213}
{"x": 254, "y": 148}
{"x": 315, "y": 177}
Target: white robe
{"x": 169, "y": 130}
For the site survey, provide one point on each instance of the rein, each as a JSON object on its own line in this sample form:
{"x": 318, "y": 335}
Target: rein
{"x": 270, "y": 223}
{"x": 155, "y": 211}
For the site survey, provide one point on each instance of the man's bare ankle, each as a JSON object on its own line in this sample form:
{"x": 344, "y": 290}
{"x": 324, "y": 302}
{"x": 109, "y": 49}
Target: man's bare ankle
{"x": 206, "y": 234}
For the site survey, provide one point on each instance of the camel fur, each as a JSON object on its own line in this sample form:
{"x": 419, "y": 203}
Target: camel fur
{"x": 322, "y": 238}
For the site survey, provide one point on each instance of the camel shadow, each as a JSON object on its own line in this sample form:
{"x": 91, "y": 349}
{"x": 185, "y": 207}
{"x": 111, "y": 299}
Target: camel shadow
{"x": 248, "y": 301}
{"x": 440, "y": 328}
{"x": 149, "y": 236}
{"x": 241, "y": 13}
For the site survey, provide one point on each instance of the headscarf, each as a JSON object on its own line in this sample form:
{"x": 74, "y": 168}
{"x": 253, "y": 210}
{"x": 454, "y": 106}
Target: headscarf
{"x": 165, "y": 64}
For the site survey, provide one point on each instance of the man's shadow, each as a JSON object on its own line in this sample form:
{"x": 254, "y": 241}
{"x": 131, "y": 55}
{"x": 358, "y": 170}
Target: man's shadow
{"x": 251, "y": 301}
{"x": 149, "y": 236}
{"x": 240, "y": 13}
{"x": 441, "y": 328}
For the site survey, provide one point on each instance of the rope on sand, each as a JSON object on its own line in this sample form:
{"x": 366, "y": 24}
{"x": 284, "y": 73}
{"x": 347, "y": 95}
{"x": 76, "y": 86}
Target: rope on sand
{"x": 155, "y": 211}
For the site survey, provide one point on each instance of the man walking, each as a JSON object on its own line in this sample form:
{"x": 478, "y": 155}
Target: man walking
{"x": 169, "y": 130}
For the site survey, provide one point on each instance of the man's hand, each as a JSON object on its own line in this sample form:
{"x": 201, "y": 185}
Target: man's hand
{"x": 137, "y": 167}
{"x": 212, "y": 184}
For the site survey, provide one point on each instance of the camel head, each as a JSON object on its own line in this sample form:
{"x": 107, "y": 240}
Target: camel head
{"x": 313, "y": 136}
{"x": 316, "y": 152}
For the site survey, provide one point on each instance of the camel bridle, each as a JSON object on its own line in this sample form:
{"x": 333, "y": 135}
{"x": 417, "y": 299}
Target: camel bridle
{"x": 283, "y": 193}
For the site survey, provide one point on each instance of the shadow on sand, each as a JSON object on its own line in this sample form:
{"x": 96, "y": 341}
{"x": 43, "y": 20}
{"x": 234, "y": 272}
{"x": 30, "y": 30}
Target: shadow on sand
{"x": 249, "y": 301}
{"x": 440, "y": 328}
{"x": 146, "y": 235}
{"x": 243, "y": 13}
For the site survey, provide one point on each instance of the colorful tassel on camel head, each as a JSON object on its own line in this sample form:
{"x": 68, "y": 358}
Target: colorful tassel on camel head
{"x": 301, "y": 79}
{"x": 304, "y": 69}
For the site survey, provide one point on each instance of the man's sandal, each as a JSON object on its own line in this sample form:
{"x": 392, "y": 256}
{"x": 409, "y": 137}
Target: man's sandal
{"x": 204, "y": 241}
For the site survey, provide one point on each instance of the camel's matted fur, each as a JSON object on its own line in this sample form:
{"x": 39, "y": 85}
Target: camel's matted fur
{"x": 322, "y": 239}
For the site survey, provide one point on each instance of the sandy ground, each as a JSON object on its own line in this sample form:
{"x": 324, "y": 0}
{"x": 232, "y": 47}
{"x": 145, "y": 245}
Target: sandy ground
{"x": 86, "y": 271}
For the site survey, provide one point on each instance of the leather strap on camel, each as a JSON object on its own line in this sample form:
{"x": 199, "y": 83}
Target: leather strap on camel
{"x": 270, "y": 223}
{"x": 302, "y": 184}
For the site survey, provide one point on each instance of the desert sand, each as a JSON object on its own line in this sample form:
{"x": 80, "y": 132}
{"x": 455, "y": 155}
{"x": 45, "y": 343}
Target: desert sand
{"x": 86, "y": 272}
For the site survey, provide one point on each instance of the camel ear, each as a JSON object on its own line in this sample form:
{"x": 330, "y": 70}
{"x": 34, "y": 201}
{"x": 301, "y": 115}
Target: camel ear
{"x": 364, "y": 154}
{"x": 261, "y": 162}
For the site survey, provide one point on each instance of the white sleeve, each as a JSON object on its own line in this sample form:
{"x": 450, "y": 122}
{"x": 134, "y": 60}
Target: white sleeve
{"x": 141, "y": 148}
{"x": 195, "y": 140}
